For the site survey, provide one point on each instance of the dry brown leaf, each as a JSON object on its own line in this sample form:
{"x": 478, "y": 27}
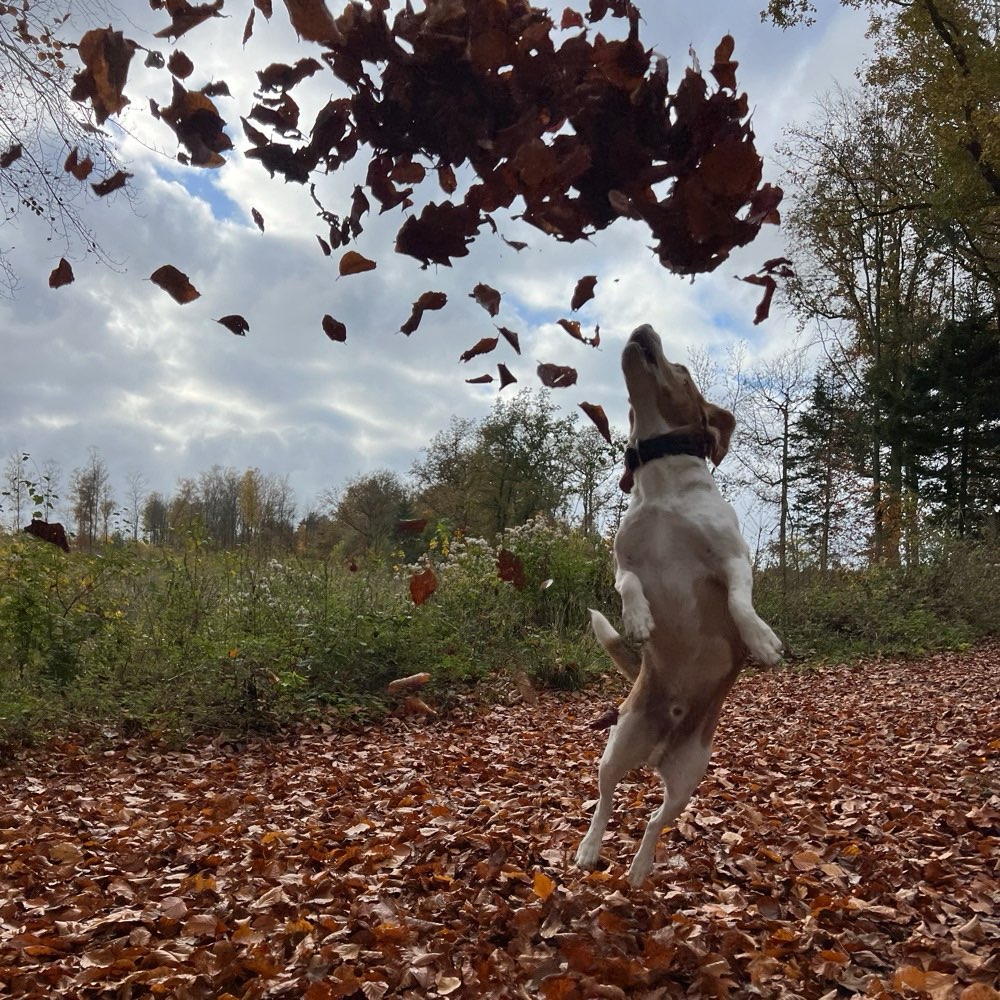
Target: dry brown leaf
{"x": 175, "y": 283}
{"x": 61, "y": 275}
{"x": 334, "y": 329}
{"x": 354, "y": 263}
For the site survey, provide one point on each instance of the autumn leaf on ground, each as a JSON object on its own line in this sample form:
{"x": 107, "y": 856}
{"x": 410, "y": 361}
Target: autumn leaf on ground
{"x": 512, "y": 338}
{"x": 600, "y": 419}
{"x": 257, "y": 218}
{"x": 506, "y": 378}
{"x": 483, "y": 346}
{"x": 556, "y": 376}
{"x": 334, "y": 329}
{"x": 235, "y": 324}
{"x": 422, "y": 585}
{"x": 427, "y": 301}
{"x": 61, "y": 275}
{"x": 487, "y": 297}
{"x": 112, "y": 183}
{"x": 354, "y": 263}
{"x": 584, "y": 291}
{"x": 175, "y": 283}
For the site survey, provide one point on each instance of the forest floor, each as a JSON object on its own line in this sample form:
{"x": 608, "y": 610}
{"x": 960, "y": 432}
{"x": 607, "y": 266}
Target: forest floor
{"x": 846, "y": 840}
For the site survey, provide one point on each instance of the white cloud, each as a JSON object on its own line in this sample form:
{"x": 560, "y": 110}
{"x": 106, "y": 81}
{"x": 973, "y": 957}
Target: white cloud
{"x": 110, "y": 361}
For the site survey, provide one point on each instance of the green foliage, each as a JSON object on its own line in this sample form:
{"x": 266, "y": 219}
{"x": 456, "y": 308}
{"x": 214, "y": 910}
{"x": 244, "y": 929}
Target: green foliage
{"x": 134, "y": 639}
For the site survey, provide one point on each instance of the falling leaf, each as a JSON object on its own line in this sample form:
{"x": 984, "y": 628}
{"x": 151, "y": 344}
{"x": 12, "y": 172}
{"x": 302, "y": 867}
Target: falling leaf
{"x": 600, "y": 419}
{"x": 106, "y": 55}
{"x": 556, "y": 376}
{"x": 354, "y": 263}
{"x": 427, "y": 301}
{"x": 487, "y": 297}
{"x": 324, "y": 246}
{"x": 235, "y": 324}
{"x": 483, "y": 346}
{"x": 515, "y": 244}
{"x": 112, "y": 183}
{"x": 511, "y": 337}
{"x": 248, "y": 27}
{"x": 584, "y": 291}
{"x": 408, "y": 683}
{"x": 185, "y": 16}
{"x": 179, "y": 64}
{"x": 175, "y": 283}
{"x": 334, "y": 329}
{"x": 80, "y": 169}
{"x": 312, "y": 21}
{"x": 61, "y": 275}
{"x": 480, "y": 380}
{"x": 571, "y": 19}
{"x": 13, "y": 154}
{"x": 411, "y": 526}
{"x": 422, "y": 585}
{"x": 257, "y": 218}
{"x": 510, "y": 568}
{"x": 506, "y": 378}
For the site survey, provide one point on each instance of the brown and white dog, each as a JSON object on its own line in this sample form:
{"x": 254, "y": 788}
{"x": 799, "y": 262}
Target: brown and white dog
{"x": 684, "y": 575}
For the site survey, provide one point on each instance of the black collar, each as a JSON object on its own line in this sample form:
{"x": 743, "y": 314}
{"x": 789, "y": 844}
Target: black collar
{"x": 684, "y": 441}
{"x": 679, "y": 442}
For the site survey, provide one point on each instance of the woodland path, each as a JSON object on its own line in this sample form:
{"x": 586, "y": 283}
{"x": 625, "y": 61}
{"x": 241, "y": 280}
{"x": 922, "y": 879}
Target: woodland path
{"x": 846, "y": 840}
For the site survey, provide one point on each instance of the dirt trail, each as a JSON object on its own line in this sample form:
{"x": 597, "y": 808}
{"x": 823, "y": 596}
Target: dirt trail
{"x": 845, "y": 840}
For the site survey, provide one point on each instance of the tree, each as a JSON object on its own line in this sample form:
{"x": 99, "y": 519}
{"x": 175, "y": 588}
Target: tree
{"x": 367, "y": 511}
{"x": 772, "y": 399}
{"x": 955, "y": 423}
{"x": 872, "y": 276}
{"x": 135, "y": 498}
{"x": 91, "y": 500}
{"x": 155, "y": 519}
{"x": 49, "y": 142}
{"x": 937, "y": 65}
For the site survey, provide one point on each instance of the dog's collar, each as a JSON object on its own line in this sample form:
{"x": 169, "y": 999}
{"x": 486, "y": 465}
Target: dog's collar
{"x": 684, "y": 441}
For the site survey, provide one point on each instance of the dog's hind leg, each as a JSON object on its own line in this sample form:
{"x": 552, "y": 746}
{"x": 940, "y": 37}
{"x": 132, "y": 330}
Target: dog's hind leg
{"x": 628, "y": 747}
{"x": 681, "y": 772}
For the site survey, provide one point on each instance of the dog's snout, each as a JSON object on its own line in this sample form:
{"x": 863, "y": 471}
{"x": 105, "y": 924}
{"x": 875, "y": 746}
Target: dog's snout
{"x": 648, "y": 341}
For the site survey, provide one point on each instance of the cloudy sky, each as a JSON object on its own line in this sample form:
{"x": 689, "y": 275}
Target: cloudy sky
{"x": 110, "y": 362}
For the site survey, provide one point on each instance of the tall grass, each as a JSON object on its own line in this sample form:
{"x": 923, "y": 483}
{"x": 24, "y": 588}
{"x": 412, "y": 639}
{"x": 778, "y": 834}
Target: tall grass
{"x": 138, "y": 639}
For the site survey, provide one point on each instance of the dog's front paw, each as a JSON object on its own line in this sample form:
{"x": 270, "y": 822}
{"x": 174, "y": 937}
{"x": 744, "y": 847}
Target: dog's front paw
{"x": 588, "y": 853}
{"x": 763, "y": 645}
{"x": 639, "y": 870}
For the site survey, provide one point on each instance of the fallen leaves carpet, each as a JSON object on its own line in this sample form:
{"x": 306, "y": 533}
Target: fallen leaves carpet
{"x": 845, "y": 841}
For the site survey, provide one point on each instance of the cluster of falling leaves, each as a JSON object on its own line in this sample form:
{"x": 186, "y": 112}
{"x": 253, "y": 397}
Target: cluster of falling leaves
{"x": 844, "y": 842}
{"x": 547, "y": 116}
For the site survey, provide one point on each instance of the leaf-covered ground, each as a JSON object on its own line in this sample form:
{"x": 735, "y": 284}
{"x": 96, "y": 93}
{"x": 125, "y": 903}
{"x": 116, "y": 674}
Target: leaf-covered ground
{"x": 846, "y": 840}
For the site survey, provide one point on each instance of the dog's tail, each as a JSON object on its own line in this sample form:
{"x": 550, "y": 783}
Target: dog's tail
{"x": 625, "y": 658}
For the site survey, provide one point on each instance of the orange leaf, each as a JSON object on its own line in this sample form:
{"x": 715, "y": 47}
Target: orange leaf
{"x": 600, "y": 419}
{"x": 483, "y": 346}
{"x": 422, "y": 585}
{"x": 354, "y": 263}
{"x": 542, "y": 886}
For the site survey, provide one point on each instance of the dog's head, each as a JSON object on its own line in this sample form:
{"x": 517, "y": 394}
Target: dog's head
{"x": 663, "y": 397}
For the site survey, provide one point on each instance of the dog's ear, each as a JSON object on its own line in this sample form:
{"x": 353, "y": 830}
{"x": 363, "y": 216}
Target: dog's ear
{"x": 721, "y": 424}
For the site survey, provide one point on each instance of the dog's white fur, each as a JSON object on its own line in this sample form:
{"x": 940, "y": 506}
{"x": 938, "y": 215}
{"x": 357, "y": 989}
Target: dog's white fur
{"x": 684, "y": 575}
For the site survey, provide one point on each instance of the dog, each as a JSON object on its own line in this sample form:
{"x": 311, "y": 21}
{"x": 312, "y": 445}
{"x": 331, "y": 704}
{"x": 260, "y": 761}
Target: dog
{"x": 684, "y": 575}
{"x": 54, "y": 532}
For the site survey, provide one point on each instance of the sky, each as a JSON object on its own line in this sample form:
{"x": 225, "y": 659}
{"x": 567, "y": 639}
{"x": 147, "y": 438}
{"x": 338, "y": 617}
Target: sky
{"x": 160, "y": 390}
